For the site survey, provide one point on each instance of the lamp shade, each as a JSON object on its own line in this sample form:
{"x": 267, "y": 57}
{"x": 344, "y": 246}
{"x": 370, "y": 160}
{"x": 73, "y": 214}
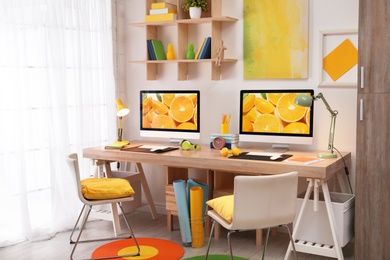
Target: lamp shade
{"x": 304, "y": 100}
{"x": 121, "y": 110}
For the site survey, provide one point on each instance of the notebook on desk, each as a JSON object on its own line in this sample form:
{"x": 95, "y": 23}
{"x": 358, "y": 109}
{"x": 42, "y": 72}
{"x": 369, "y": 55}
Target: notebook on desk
{"x": 259, "y": 157}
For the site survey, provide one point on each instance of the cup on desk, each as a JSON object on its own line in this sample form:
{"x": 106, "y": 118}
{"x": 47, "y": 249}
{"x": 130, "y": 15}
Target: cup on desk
{"x": 224, "y": 128}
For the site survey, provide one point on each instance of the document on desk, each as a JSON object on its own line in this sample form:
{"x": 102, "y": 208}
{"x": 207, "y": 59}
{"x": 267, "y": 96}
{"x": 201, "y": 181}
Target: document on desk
{"x": 304, "y": 159}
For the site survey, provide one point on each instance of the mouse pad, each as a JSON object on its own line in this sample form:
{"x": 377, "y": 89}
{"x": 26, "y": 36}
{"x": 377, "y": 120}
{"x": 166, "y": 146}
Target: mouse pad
{"x": 245, "y": 156}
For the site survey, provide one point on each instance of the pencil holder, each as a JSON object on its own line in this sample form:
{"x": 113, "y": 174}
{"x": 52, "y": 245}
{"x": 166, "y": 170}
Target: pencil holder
{"x": 224, "y": 128}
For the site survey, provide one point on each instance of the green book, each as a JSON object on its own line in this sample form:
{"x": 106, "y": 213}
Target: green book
{"x": 158, "y": 50}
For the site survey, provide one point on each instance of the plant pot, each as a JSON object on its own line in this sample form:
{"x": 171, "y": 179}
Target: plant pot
{"x": 195, "y": 12}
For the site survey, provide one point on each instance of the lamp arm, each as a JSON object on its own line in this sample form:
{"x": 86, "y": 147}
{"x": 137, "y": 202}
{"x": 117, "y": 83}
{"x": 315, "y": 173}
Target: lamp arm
{"x": 333, "y": 115}
{"x": 332, "y": 131}
{"x": 321, "y": 96}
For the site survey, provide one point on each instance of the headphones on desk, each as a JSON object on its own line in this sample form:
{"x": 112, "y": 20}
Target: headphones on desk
{"x": 187, "y": 145}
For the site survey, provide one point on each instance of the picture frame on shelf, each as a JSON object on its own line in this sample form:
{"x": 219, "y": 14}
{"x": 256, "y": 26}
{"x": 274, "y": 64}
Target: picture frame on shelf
{"x": 338, "y": 58}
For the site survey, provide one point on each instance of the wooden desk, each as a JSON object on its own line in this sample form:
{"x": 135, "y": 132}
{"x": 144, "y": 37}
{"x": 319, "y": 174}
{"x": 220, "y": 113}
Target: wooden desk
{"x": 210, "y": 159}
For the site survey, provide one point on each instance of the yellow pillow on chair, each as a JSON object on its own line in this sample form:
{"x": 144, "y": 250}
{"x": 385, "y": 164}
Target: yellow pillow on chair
{"x": 105, "y": 188}
{"x": 223, "y": 206}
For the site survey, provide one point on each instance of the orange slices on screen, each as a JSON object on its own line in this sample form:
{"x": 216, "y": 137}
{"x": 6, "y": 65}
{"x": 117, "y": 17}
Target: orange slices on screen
{"x": 289, "y": 111}
{"x": 274, "y": 98}
{"x": 297, "y": 128}
{"x": 247, "y": 125}
{"x": 307, "y": 117}
{"x": 182, "y": 109}
{"x": 163, "y": 121}
{"x": 146, "y": 105}
{"x": 187, "y": 126}
{"x": 264, "y": 106}
{"x": 167, "y": 98}
{"x": 248, "y": 103}
{"x": 159, "y": 107}
{"x": 267, "y": 123}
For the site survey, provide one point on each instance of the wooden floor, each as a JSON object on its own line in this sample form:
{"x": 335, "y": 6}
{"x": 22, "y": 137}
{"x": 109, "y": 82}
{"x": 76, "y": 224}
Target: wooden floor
{"x": 58, "y": 247}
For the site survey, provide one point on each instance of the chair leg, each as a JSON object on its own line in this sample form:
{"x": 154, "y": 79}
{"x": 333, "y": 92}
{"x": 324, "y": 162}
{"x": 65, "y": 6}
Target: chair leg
{"x": 266, "y": 242}
{"x": 81, "y": 229}
{"x": 292, "y": 242}
{"x": 210, "y": 238}
{"x": 230, "y": 243}
{"x": 102, "y": 239}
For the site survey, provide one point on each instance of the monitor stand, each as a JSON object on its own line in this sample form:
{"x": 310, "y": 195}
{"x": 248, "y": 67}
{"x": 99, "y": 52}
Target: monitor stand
{"x": 278, "y": 148}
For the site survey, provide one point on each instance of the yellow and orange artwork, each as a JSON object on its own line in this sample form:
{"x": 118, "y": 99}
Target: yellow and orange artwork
{"x": 276, "y": 39}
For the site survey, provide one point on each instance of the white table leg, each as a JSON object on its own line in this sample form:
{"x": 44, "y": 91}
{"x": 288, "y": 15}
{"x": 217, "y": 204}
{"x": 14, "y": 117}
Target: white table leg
{"x": 329, "y": 210}
{"x": 298, "y": 221}
{"x": 312, "y": 248}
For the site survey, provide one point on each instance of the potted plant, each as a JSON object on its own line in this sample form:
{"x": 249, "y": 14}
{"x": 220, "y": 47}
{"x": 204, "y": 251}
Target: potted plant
{"x": 195, "y": 7}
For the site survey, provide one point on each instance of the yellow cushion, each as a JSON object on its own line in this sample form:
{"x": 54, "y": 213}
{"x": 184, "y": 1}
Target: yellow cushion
{"x": 223, "y": 206}
{"x": 106, "y": 188}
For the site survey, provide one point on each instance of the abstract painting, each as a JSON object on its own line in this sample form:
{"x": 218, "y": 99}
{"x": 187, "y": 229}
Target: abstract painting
{"x": 276, "y": 39}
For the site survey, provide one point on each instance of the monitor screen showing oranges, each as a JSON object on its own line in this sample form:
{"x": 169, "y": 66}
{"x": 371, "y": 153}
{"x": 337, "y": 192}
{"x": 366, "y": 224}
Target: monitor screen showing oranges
{"x": 170, "y": 110}
{"x": 275, "y": 112}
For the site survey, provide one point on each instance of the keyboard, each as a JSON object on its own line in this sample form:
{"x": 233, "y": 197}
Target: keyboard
{"x": 264, "y": 154}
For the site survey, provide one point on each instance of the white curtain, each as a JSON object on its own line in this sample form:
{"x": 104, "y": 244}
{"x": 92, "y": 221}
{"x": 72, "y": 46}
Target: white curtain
{"x": 57, "y": 96}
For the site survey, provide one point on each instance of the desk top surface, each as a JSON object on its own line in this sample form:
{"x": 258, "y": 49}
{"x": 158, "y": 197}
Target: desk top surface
{"x": 211, "y": 159}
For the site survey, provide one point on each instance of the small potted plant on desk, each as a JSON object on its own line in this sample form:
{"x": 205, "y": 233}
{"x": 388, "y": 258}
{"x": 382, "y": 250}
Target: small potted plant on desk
{"x": 195, "y": 7}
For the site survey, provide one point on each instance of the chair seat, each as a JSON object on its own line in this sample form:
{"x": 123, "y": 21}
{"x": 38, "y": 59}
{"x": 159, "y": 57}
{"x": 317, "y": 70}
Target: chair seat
{"x": 105, "y": 188}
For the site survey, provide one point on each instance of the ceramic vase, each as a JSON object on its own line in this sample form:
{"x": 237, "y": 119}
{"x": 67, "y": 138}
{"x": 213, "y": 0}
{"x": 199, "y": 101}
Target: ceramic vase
{"x": 195, "y": 12}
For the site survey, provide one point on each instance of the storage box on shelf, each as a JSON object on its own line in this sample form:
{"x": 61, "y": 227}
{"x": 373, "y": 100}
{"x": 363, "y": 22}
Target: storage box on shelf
{"x": 212, "y": 16}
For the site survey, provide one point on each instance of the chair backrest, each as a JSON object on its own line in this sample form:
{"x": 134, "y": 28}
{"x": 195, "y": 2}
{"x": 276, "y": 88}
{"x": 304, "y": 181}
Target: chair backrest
{"x": 264, "y": 201}
{"x": 73, "y": 163}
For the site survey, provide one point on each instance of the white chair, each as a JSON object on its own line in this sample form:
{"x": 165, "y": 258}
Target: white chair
{"x": 258, "y": 202}
{"x": 86, "y": 210}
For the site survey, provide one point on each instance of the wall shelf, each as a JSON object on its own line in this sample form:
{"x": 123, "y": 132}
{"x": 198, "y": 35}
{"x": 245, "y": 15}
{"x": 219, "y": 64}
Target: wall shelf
{"x": 212, "y": 17}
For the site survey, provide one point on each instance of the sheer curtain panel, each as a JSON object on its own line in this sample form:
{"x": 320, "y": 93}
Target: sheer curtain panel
{"x": 57, "y": 96}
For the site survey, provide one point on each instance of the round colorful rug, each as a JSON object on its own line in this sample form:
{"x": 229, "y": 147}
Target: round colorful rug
{"x": 151, "y": 248}
{"x": 215, "y": 257}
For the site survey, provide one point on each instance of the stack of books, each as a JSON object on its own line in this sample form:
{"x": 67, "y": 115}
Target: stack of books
{"x": 231, "y": 140}
{"x": 162, "y": 11}
{"x": 156, "y": 50}
{"x": 204, "y": 51}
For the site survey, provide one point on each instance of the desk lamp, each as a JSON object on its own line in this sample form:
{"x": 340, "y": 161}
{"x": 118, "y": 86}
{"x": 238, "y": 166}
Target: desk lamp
{"x": 121, "y": 111}
{"x": 306, "y": 101}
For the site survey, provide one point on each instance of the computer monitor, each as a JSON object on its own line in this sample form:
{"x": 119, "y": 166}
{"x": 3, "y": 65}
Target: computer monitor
{"x": 173, "y": 114}
{"x": 271, "y": 116}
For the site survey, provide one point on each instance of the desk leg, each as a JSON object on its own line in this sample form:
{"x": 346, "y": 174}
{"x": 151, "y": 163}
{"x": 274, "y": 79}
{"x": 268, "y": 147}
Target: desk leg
{"x": 312, "y": 248}
{"x": 147, "y": 193}
{"x": 329, "y": 210}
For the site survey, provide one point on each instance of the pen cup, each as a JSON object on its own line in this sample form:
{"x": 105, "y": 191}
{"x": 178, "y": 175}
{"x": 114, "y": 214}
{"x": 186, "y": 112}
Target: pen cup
{"x": 224, "y": 128}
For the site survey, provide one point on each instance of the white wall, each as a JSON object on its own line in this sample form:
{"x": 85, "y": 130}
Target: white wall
{"x": 219, "y": 97}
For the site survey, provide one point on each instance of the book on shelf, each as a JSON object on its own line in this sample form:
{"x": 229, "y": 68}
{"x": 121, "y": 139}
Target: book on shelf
{"x": 163, "y": 11}
{"x": 117, "y": 145}
{"x": 161, "y": 5}
{"x": 199, "y": 49}
{"x": 205, "y": 53}
{"x": 160, "y": 17}
{"x": 152, "y": 56}
{"x": 158, "y": 49}
{"x": 304, "y": 159}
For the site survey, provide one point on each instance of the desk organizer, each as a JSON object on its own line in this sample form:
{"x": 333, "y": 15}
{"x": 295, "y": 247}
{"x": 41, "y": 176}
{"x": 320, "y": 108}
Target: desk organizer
{"x": 315, "y": 226}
